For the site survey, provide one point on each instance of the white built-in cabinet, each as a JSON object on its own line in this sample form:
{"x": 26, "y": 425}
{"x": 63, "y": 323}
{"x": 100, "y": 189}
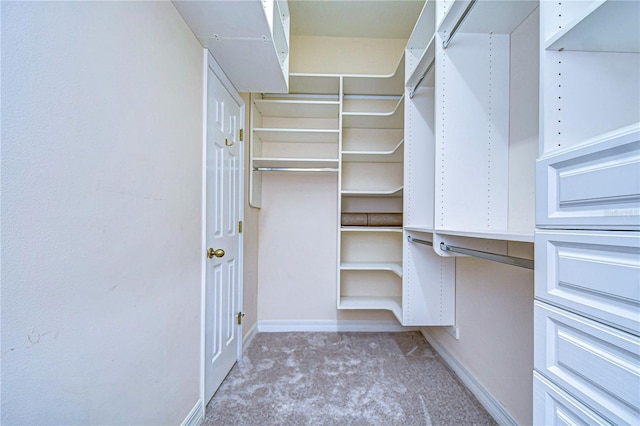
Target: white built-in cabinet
{"x": 298, "y": 131}
{"x": 587, "y": 244}
{"x": 471, "y": 137}
{"x": 249, "y": 39}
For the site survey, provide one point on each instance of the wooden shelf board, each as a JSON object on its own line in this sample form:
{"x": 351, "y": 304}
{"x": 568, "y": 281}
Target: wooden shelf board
{"x": 396, "y": 268}
{"x": 394, "y": 192}
{"x": 610, "y": 26}
{"x": 376, "y": 120}
{"x": 295, "y": 162}
{"x": 297, "y": 135}
{"x": 371, "y": 229}
{"x": 393, "y": 304}
{"x": 395, "y": 155}
{"x": 291, "y": 108}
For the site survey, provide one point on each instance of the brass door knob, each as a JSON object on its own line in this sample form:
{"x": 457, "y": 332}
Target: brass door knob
{"x": 217, "y": 253}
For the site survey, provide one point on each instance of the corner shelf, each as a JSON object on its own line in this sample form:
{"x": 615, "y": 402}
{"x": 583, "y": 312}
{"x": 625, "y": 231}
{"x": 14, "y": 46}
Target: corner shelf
{"x": 371, "y": 229}
{"x": 393, "y": 304}
{"x": 396, "y": 268}
{"x": 392, "y": 192}
{"x": 393, "y": 119}
{"x": 394, "y": 155}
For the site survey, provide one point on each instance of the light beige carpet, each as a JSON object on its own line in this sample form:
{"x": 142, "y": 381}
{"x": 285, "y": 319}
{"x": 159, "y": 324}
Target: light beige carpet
{"x": 343, "y": 379}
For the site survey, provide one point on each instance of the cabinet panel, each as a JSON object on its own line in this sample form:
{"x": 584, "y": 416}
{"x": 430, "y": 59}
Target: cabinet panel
{"x": 486, "y": 122}
{"x": 593, "y": 273}
{"x": 596, "y": 185}
{"x": 597, "y": 364}
{"x": 552, "y": 406}
{"x": 428, "y": 284}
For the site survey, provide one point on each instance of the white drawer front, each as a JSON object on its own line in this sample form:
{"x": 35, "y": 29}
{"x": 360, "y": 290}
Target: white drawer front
{"x": 593, "y": 273}
{"x": 552, "y": 406}
{"x": 597, "y": 364}
{"x": 596, "y": 186}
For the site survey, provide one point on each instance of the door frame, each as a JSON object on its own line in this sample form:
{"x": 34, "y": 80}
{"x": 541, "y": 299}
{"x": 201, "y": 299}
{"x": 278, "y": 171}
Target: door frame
{"x": 209, "y": 63}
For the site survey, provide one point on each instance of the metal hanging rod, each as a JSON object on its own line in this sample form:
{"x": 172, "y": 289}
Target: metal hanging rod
{"x": 427, "y": 71}
{"x": 294, "y": 169}
{"x": 415, "y": 240}
{"x": 508, "y": 260}
{"x": 456, "y": 27}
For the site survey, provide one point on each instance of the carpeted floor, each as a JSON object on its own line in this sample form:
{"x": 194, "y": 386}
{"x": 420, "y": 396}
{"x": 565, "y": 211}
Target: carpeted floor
{"x": 343, "y": 379}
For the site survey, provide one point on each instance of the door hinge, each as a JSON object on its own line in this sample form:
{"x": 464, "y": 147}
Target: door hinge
{"x": 241, "y": 134}
{"x": 240, "y": 316}
{"x": 240, "y": 227}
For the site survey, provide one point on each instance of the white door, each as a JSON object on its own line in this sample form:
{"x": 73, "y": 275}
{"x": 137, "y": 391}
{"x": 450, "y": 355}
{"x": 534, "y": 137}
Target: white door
{"x": 222, "y": 236}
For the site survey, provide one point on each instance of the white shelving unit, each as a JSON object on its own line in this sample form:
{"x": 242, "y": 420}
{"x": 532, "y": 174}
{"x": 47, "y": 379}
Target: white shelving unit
{"x": 396, "y": 268}
{"x": 370, "y": 270}
{"x": 296, "y": 132}
{"x": 428, "y": 279}
{"x": 486, "y": 119}
{"x": 393, "y": 155}
{"x": 588, "y": 214}
{"x": 471, "y": 135}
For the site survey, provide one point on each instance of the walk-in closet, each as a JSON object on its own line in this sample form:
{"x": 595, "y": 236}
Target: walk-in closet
{"x": 321, "y": 212}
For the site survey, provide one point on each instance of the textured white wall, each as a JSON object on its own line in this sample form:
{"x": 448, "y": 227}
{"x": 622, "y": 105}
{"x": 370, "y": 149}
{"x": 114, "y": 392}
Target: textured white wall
{"x": 101, "y": 208}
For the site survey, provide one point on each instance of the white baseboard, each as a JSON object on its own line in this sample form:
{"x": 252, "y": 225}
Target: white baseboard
{"x": 278, "y": 326}
{"x": 195, "y": 416}
{"x": 491, "y": 404}
{"x": 248, "y": 338}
